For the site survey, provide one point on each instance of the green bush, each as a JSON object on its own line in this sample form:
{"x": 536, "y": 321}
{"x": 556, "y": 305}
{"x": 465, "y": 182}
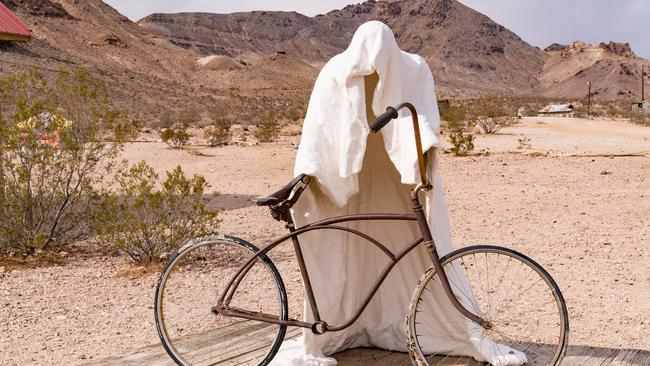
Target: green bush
{"x": 175, "y": 138}
{"x": 461, "y": 143}
{"x": 523, "y": 143}
{"x": 58, "y": 139}
{"x": 455, "y": 118}
{"x": 268, "y": 132}
{"x": 147, "y": 222}
{"x": 219, "y": 134}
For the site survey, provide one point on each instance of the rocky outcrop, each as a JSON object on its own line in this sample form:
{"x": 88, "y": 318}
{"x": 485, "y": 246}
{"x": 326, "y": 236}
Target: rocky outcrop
{"x": 45, "y": 8}
{"x": 620, "y": 49}
{"x": 556, "y": 47}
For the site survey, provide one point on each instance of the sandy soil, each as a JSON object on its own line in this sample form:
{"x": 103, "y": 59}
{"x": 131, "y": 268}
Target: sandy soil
{"x": 585, "y": 218}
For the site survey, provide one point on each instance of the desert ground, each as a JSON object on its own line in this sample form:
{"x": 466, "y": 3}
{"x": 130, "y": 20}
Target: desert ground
{"x": 577, "y": 199}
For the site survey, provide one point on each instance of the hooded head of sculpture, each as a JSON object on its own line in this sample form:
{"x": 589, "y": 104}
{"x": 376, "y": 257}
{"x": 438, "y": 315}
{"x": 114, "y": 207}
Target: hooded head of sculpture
{"x": 373, "y": 47}
{"x": 336, "y": 125}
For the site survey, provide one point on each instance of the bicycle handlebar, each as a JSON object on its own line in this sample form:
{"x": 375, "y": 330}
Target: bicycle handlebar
{"x": 390, "y": 114}
{"x": 383, "y": 119}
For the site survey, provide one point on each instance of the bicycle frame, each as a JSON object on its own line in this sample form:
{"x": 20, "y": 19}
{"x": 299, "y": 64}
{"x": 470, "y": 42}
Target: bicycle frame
{"x": 319, "y": 326}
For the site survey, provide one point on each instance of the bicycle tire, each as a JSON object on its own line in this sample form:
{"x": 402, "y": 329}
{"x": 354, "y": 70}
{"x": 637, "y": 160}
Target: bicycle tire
{"x": 460, "y": 256}
{"x": 183, "y": 252}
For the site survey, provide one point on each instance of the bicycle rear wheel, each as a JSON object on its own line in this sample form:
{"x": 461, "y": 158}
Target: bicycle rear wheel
{"x": 190, "y": 285}
{"x": 523, "y": 304}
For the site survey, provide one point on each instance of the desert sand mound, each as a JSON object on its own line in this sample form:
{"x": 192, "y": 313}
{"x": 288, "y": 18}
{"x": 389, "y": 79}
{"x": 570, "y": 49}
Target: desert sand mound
{"x": 219, "y": 63}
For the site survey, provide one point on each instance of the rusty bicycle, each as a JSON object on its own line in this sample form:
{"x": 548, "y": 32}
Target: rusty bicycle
{"x": 221, "y": 300}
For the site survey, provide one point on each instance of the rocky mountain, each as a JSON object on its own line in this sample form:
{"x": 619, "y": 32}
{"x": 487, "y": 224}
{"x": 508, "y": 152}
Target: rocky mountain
{"x": 245, "y": 34}
{"x": 468, "y": 53}
{"x": 143, "y": 71}
{"x": 612, "y": 68}
{"x": 247, "y": 66}
{"x": 146, "y": 74}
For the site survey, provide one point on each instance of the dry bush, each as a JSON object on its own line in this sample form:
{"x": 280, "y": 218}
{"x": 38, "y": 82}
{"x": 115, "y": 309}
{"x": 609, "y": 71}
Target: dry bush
{"x": 176, "y": 138}
{"x": 267, "y": 132}
{"x": 523, "y": 143}
{"x": 147, "y": 222}
{"x": 167, "y": 119}
{"x": 491, "y": 114}
{"x": 641, "y": 119}
{"x": 50, "y": 163}
{"x": 218, "y": 134}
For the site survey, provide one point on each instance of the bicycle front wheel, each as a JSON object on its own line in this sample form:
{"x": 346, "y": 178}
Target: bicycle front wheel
{"x": 190, "y": 285}
{"x": 527, "y": 315}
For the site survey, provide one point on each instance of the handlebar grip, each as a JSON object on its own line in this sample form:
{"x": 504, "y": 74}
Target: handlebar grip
{"x": 383, "y": 119}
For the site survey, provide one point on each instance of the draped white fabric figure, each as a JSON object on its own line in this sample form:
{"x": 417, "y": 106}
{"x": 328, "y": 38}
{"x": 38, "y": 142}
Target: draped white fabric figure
{"x": 358, "y": 173}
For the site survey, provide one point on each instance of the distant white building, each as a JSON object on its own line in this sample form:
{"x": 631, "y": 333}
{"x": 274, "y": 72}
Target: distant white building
{"x": 641, "y": 107}
{"x": 560, "y": 110}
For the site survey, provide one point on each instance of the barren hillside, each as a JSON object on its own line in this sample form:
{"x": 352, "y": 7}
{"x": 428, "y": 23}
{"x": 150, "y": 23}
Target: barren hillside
{"x": 250, "y": 67}
{"x": 468, "y": 52}
{"x": 143, "y": 72}
{"x": 612, "y": 68}
{"x": 147, "y": 74}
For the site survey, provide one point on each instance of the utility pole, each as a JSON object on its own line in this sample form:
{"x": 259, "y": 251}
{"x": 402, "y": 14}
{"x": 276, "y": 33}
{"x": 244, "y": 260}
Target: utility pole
{"x": 643, "y": 83}
{"x": 589, "y": 99}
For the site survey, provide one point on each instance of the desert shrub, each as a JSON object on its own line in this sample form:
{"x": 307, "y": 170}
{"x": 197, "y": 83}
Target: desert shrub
{"x": 148, "y": 219}
{"x": 580, "y": 111}
{"x": 641, "y": 119}
{"x": 167, "y": 119}
{"x": 295, "y": 114}
{"x": 523, "y": 143}
{"x": 189, "y": 117}
{"x": 456, "y": 124}
{"x": 267, "y": 132}
{"x": 58, "y": 138}
{"x": 218, "y": 134}
{"x": 175, "y": 138}
{"x": 461, "y": 143}
{"x": 491, "y": 114}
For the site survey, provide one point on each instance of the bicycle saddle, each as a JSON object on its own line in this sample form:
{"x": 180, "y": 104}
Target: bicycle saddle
{"x": 281, "y": 195}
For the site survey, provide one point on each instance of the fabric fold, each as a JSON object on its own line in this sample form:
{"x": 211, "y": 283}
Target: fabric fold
{"x": 358, "y": 172}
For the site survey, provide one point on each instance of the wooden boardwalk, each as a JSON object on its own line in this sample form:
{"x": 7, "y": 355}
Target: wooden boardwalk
{"x": 576, "y": 356}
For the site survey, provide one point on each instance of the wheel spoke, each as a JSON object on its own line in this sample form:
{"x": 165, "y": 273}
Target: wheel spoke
{"x": 510, "y": 291}
{"x": 192, "y": 282}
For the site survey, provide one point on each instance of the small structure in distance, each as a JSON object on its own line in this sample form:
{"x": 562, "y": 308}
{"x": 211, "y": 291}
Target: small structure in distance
{"x": 12, "y": 28}
{"x": 642, "y": 107}
{"x": 558, "y": 110}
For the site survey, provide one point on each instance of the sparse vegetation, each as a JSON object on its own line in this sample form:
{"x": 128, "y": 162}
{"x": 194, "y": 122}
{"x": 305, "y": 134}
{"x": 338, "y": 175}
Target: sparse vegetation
{"x": 462, "y": 142}
{"x": 490, "y": 113}
{"x": 267, "y": 132}
{"x": 147, "y": 222}
{"x": 176, "y": 138}
{"x": 523, "y": 143}
{"x": 58, "y": 139}
{"x": 641, "y": 119}
{"x": 218, "y": 134}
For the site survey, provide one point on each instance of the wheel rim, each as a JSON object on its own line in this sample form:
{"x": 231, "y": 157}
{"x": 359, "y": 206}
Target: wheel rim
{"x": 512, "y": 292}
{"x": 190, "y": 285}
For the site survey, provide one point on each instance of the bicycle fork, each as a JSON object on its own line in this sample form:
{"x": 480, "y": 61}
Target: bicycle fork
{"x": 431, "y": 249}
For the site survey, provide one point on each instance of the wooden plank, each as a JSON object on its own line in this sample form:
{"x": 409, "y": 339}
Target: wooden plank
{"x": 242, "y": 337}
{"x": 618, "y": 358}
{"x": 625, "y": 358}
{"x": 578, "y": 355}
{"x": 640, "y": 358}
{"x": 595, "y": 356}
{"x": 372, "y": 356}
